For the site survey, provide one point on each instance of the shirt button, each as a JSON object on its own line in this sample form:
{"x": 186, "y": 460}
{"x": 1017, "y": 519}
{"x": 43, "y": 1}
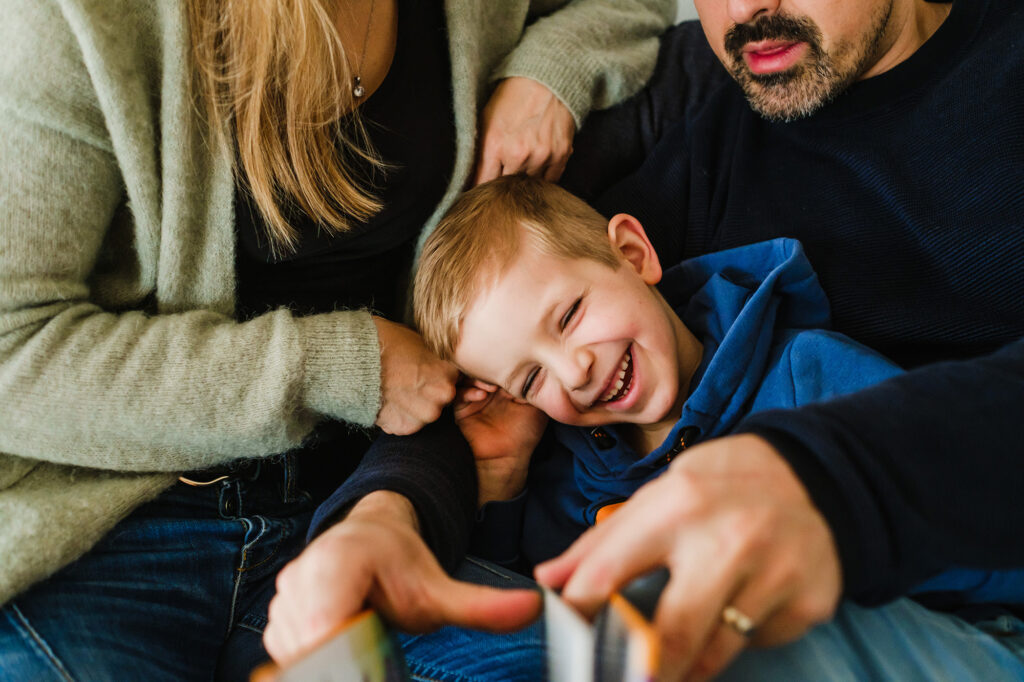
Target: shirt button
{"x": 602, "y": 439}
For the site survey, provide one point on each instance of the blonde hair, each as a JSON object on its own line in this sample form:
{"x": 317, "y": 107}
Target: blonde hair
{"x": 481, "y": 235}
{"x": 273, "y": 73}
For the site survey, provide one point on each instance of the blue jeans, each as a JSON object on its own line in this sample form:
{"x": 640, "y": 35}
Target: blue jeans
{"x": 177, "y": 591}
{"x": 901, "y": 641}
{"x": 459, "y": 655}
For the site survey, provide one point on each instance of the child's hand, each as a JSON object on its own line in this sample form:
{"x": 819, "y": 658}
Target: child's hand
{"x": 503, "y": 432}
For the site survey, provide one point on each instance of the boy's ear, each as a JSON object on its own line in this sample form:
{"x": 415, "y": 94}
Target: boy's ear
{"x": 628, "y": 238}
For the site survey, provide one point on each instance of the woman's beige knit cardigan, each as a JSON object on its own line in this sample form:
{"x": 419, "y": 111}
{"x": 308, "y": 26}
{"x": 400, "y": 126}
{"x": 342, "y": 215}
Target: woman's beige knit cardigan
{"x": 120, "y": 361}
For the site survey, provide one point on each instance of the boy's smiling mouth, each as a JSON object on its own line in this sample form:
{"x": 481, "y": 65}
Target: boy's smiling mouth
{"x": 621, "y": 381}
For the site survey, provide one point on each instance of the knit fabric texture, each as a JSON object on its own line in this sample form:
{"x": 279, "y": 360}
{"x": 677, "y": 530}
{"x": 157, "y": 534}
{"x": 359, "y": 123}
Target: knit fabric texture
{"x": 120, "y": 360}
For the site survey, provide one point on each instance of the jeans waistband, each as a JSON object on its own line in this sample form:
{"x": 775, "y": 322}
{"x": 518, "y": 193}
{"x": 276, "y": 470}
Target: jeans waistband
{"x": 244, "y": 469}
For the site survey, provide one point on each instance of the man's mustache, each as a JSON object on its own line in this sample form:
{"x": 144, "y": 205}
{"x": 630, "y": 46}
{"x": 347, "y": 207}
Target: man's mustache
{"x": 774, "y": 27}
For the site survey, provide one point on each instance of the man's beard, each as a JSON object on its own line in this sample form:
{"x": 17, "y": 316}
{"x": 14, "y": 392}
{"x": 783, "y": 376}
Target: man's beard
{"x": 809, "y": 85}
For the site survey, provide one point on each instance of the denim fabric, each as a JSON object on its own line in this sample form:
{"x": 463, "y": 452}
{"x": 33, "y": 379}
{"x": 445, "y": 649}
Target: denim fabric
{"x": 459, "y": 655}
{"x": 177, "y": 591}
{"x": 900, "y": 641}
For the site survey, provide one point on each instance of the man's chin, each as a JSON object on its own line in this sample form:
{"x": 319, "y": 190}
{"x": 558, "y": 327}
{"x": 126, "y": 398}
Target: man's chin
{"x": 782, "y": 99}
{"x": 792, "y": 94}
{"x": 783, "y": 111}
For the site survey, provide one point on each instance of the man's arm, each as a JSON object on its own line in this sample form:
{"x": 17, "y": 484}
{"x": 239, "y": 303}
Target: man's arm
{"x": 433, "y": 469}
{"x": 376, "y": 558}
{"x": 377, "y": 540}
{"x": 916, "y": 474}
{"x": 900, "y": 481}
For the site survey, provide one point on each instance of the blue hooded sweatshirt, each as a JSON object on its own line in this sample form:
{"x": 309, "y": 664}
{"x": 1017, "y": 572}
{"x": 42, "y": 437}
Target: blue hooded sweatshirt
{"x": 763, "y": 319}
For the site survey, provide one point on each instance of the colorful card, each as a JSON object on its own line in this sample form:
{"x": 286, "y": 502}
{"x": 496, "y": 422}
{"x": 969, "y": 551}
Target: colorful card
{"x": 363, "y": 650}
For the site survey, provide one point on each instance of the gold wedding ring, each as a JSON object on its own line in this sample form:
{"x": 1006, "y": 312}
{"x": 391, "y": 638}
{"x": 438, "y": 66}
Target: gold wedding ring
{"x": 738, "y": 621}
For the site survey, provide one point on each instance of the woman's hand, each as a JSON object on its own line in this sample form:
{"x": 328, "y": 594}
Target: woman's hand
{"x": 502, "y": 431}
{"x": 376, "y": 558}
{"x": 524, "y": 129}
{"x": 415, "y": 383}
{"x": 736, "y": 528}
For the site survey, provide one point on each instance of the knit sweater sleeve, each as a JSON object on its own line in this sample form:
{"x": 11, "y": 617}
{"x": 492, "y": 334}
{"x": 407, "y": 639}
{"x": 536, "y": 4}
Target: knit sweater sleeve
{"x": 917, "y": 474}
{"x": 117, "y": 345}
{"x": 612, "y": 47}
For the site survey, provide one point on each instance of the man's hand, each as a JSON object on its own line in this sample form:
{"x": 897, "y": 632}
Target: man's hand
{"x": 524, "y": 129}
{"x": 376, "y": 558}
{"x": 736, "y": 528}
{"x": 415, "y": 384}
{"x": 502, "y": 432}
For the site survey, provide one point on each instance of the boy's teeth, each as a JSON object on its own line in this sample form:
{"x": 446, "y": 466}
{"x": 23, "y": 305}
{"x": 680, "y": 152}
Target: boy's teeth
{"x": 620, "y": 381}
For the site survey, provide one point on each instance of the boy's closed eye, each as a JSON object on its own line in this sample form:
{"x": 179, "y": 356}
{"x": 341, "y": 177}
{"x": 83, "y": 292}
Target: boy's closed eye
{"x": 531, "y": 378}
{"x": 563, "y": 324}
{"x": 570, "y": 313}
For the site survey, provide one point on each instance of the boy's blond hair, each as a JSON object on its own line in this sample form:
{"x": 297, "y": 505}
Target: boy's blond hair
{"x": 481, "y": 235}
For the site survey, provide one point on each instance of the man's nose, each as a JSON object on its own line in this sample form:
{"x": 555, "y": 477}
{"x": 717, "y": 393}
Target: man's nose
{"x": 745, "y": 11}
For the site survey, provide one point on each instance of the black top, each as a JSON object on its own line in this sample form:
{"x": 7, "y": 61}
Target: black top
{"x": 908, "y": 193}
{"x": 411, "y": 124}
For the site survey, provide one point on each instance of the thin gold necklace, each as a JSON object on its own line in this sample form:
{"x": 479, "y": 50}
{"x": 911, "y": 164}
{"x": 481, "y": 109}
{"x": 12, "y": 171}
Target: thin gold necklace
{"x": 357, "y": 82}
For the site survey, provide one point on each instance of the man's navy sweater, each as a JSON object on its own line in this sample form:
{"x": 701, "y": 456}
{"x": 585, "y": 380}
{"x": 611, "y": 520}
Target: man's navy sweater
{"x": 908, "y": 194}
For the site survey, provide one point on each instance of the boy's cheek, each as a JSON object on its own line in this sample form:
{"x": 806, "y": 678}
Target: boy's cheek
{"x": 562, "y": 412}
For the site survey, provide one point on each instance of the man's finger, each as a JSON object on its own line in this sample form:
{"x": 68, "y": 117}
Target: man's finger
{"x": 487, "y": 608}
{"x": 473, "y": 395}
{"x": 689, "y": 612}
{"x": 554, "y": 573}
{"x": 729, "y": 636}
{"x": 610, "y": 565}
{"x": 485, "y": 386}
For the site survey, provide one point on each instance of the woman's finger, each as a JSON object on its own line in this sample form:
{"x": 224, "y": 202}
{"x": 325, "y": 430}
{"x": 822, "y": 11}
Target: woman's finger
{"x": 488, "y": 166}
{"x": 553, "y": 171}
{"x": 537, "y": 162}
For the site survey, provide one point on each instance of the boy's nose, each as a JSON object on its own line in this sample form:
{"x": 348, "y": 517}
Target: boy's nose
{"x": 575, "y": 368}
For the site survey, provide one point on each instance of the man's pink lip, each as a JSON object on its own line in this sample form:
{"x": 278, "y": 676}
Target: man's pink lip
{"x": 773, "y": 56}
{"x": 768, "y": 46}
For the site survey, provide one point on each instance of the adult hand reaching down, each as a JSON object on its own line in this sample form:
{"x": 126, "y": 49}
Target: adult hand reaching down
{"x": 524, "y": 128}
{"x": 415, "y": 383}
{"x": 744, "y": 544}
{"x": 375, "y": 557}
